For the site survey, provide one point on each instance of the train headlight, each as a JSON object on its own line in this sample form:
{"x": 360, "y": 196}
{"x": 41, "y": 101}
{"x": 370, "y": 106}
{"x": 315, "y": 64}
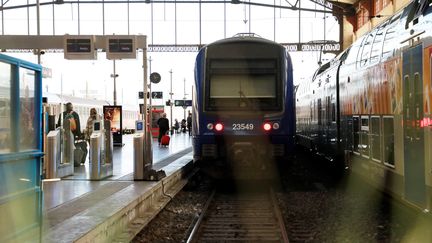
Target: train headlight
{"x": 210, "y": 126}
{"x": 219, "y": 127}
{"x": 276, "y": 126}
{"x": 267, "y": 126}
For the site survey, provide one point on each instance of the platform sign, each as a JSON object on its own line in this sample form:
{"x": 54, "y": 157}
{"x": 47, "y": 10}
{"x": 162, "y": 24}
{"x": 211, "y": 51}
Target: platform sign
{"x": 157, "y": 95}
{"x": 79, "y": 47}
{"x": 113, "y": 113}
{"x": 178, "y": 102}
{"x": 121, "y": 47}
{"x": 188, "y": 103}
{"x": 182, "y": 102}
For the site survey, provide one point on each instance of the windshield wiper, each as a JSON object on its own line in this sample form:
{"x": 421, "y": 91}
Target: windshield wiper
{"x": 245, "y": 101}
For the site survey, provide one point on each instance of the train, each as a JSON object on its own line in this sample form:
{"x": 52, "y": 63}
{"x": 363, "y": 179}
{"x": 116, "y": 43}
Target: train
{"x": 82, "y": 106}
{"x": 243, "y": 106}
{"x": 369, "y": 109}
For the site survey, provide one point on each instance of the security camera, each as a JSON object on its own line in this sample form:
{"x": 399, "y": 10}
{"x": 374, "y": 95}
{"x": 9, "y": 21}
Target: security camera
{"x": 38, "y": 51}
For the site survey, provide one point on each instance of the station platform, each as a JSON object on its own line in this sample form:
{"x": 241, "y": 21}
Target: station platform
{"x": 77, "y": 209}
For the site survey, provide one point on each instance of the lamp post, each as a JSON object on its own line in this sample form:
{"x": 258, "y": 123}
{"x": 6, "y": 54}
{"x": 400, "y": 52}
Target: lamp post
{"x": 171, "y": 100}
{"x": 150, "y": 100}
{"x": 184, "y": 98}
{"x": 114, "y": 76}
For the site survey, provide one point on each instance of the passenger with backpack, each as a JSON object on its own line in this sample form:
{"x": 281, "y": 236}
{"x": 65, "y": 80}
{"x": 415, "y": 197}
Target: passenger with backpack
{"x": 73, "y": 118}
{"x": 80, "y": 151}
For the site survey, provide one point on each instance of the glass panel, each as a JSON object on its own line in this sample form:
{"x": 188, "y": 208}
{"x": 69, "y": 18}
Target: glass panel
{"x": 364, "y": 136}
{"x": 389, "y": 42}
{"x": 27, "y": 140}
{"x": 366, "y": 50}
{"x": 246, "y": 86}
{"x": 243, "y": 85}
{"x": 388, "y": 141}
{"x": 319, "y": 112}
{"x": 377, "y": 45}
{"x": 356, "y": 125}
{"x": 5, "y": 108}
{"x": 375, "y": 138}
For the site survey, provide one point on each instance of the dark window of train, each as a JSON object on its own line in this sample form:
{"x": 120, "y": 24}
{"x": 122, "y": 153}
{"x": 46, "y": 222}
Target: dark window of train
{"x": 333, "y": 112}
{"x": 329, "y": 111}
{"x": 366, "y": 49}
{"x": 244, "y": 84}
{"x": 364, "y": 136}
{"x": 319, "y": 112}
{"x": 375, "y": 133}
{"x": 388, "y": 141}
{"x": 356, "y": 126}
{"x": 406, "y": 97}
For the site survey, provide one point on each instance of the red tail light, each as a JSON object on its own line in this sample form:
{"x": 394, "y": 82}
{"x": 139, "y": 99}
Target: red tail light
{"x": 219, "y": 127}
{"x": 267, "y": 126}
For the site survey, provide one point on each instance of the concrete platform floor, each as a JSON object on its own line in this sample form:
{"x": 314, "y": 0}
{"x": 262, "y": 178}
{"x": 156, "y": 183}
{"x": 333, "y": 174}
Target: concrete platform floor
{"x": 73, "y": 187}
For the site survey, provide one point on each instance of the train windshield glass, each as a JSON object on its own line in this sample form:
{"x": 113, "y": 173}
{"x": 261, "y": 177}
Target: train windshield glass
{"x": 243, "y": 85}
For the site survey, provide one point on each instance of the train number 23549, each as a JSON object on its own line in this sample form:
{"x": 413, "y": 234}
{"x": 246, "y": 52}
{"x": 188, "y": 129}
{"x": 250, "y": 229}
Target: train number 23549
{"x": 242, "y": 126}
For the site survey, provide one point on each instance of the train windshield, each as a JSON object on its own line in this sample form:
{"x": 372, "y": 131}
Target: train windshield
{"x": 243, "y": 85}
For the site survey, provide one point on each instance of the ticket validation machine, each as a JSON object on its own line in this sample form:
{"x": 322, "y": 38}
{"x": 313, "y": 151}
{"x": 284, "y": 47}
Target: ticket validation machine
{"x": 138, "y": 142}
{"x": 101, "y": 151}
{"x": 143, "y": 171}
{"x": 59, "y": 152}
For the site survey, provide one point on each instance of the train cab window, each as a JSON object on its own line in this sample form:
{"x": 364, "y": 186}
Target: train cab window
{"x": 5, "y": 108}
{"x": 244, "y": 85}
{"x": 388, "y": 135}
{"x": 366, "y": 50}
{"x": 356, "y": 133}
{"x": 319, "y": 112}
{"x": 375, "y": 136}
{"x": 329, "y": 111}
{"x": 27, "y": 110}
{"x": 333, "y": 111}
{"x": 364, "y": 136}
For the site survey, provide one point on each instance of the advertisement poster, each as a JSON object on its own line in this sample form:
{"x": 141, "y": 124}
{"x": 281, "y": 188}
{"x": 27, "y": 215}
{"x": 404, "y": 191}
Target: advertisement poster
{"x": 114, "y": 114}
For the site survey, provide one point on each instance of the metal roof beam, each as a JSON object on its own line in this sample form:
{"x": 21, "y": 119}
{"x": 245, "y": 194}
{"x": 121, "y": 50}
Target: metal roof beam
{"x": 293, "y": 7}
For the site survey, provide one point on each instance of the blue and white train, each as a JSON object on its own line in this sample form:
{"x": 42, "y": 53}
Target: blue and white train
{"x": 243, "y": 104}
{"x": 370, "y": 107}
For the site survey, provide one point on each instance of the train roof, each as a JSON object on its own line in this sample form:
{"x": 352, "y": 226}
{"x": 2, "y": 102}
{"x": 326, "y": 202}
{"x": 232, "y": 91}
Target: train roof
{"x": 243, "y": 37}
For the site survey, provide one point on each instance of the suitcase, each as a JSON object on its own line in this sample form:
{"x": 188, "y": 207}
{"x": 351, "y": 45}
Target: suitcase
{"x": 165, "y": 140}
{"x": 80, "y": 152}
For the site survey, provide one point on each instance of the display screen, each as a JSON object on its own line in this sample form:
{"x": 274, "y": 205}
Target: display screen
{"x": 139, "y": 126}
{"x": 96, "y": 126}
{"x": 120, "y": 45}
{"x": 114, "y": 114}
{"x": 78, "y": 45}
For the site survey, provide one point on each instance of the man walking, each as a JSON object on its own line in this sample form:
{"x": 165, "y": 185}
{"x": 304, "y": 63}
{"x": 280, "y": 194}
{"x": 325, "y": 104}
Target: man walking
{"x": 163, "y": 124}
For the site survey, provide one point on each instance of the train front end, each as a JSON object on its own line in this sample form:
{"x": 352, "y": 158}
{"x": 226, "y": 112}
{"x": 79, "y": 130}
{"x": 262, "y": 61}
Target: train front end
{"x": 243, "y": 112}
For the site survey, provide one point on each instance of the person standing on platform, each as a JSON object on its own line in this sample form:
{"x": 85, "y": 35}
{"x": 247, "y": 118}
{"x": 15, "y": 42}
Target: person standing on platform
{"x": 163, "y": 125}
{"x": 183, "y": 126}
{"x": 73, "y": 118}
{"x": 189, "y": 123}
{"x": 94, "y": 116}
{"x": 176, "y": 125}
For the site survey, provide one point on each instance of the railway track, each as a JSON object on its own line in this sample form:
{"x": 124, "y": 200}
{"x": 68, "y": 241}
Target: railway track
{"x": 251, "y": 217}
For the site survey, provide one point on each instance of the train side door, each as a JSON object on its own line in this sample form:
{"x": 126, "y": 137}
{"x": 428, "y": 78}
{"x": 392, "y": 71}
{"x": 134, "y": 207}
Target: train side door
{"x": 414, "y": 164}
